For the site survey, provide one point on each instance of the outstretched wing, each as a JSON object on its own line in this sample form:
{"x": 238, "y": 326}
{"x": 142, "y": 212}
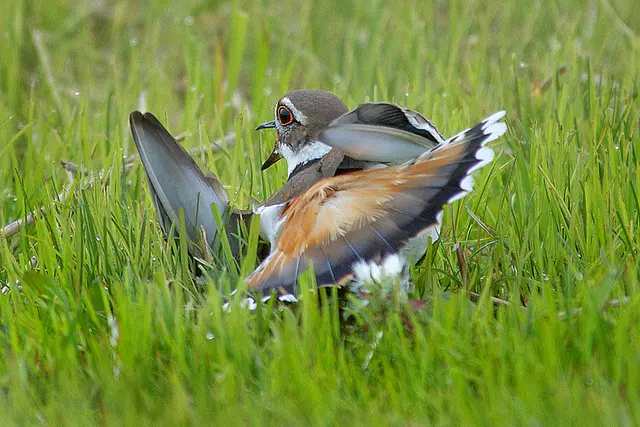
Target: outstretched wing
{"x": 382, "y": 132}
{"x": 176, "y": 182}
{"x": 365, "y": 216}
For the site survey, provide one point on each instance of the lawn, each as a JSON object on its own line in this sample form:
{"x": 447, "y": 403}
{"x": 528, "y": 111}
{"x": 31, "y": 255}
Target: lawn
{"x": 533, "y": 292}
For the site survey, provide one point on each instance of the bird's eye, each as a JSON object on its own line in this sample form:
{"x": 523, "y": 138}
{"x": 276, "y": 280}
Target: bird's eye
{"x": 284, "y": 115}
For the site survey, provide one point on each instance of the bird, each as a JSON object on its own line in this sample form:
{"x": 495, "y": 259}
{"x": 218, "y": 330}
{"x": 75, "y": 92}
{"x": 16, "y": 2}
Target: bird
{"x": 356, "y": 226}
{"x": 362, "y": 185}
{"x": 177, "y": 183}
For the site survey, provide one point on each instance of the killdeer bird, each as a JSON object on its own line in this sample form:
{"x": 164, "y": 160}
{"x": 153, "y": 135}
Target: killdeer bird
{"x": 380, "y": 131}
{"x": 355, "y": 226}
{"x": 334, "y": 211}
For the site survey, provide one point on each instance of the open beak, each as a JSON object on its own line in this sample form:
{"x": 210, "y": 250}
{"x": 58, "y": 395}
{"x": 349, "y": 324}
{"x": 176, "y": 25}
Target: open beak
{"x": 273, "y": 158}
{"x": 267, "y": 125}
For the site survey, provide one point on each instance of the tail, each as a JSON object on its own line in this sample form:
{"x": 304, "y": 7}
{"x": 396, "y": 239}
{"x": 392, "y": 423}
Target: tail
{"x": 491, "y": 127}
{"x": 176, "y": 182}
{"x": 478, "y": 155}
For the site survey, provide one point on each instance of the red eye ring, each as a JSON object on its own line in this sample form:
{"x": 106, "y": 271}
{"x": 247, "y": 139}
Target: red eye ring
{"x": 285, "y": 117}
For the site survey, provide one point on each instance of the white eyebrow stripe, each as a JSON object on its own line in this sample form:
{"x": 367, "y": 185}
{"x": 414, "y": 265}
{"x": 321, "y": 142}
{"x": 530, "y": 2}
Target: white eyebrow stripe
{"x": 296, "y": 113}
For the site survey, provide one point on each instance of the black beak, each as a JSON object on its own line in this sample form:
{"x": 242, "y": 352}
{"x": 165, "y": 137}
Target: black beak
{"x": 267, "y": 125}
{"x": 273, "y": 158}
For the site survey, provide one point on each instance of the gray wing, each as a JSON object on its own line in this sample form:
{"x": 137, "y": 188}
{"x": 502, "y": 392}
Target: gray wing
{"x": 176, "y": 182}
{"x": 382, "y": 132}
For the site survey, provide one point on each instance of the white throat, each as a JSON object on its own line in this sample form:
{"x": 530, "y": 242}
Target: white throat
{"x": 313, "y": 151}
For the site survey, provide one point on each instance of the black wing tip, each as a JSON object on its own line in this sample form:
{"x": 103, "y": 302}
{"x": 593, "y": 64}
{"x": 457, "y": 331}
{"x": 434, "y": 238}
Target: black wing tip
{"x": 138, "y": 118}
{"x": 141, "y": 122}
{"x": 151, "y": 118}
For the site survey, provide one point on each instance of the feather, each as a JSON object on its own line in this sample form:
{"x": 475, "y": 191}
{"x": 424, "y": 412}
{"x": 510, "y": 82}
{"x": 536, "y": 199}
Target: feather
{"x": 375, "y": 143}
{"x": 393, "y": 116}
{"x": 177, "y": 183}
{"x": 340, "y": 221}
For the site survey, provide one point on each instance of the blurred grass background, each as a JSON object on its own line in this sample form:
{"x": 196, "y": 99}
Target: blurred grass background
{"x": 102, "y": 324}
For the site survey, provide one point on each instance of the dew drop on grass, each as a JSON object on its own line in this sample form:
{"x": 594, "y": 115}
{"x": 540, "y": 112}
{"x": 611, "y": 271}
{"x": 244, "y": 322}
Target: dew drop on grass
{"x": 98, "y": 238}
{"x": 114, "y": 333}
{"x": 133, "y": 41}
{"x": 209, "y": 336}
{"x": 189, "y": 21}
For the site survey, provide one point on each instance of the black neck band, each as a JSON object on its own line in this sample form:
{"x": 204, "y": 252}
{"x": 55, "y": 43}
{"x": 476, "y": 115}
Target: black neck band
{"x": 303, "y": 166}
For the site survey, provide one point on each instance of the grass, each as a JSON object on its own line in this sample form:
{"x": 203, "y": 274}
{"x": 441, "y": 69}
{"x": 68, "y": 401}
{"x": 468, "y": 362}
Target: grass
{"x": 101, "y": 322}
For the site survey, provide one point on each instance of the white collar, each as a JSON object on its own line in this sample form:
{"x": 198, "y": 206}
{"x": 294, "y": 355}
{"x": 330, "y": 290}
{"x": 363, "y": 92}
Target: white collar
{"x": 308, "y": 152}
